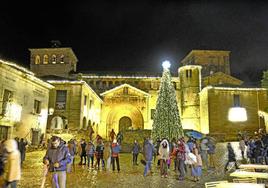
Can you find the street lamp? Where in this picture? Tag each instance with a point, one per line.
(237, 114)
(166, 64)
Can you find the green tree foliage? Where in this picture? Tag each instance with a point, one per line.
(167, 123)
(264, 81)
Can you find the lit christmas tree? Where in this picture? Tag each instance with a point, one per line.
(167, 123)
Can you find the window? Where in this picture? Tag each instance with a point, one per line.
(45, 60)
(62, 59)
(37, 59)
(91, 102)
(236, 100)
(61, 99)
(37, 107)
(54, 59)
(152, 113)
(85, 100)
(7, 98)
(188, 73)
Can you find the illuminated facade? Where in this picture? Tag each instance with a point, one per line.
(76, 106)
(24, 102)
(204, 87)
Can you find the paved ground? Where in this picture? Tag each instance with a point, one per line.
(129, 176)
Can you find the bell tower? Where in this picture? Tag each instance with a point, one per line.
(57, 61)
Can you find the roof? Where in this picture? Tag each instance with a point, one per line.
(122, 86)
(27, 74)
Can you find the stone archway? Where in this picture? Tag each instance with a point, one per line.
(124, 110)
(125, 123)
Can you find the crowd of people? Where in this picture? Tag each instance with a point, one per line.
(185, 155)
(192, 154)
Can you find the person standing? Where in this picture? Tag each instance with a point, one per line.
(115, 155)
(82, 152)
(112, 135)
(135, 152)
(107, 155)
(211, 152)
(231, 157)
(99, 154)
(12, 169)
(242, 147)
(197, 167)
(91, 132)
(163, 156)
(22, 149)
(57, 157)
(90, 150)
(148, 149)
(119, 137)
(72, 151)
(204, 152)
(181, 158)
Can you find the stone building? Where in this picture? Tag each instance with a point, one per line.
(76, 106)
(24, 103)
(204, 87)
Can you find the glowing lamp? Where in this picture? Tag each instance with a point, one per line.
(50, 111)
(237, 114)
(166, 64)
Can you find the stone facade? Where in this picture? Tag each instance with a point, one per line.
(129, 101)
(215, 103)
(24, 102)
(53, 61)
(212, 61)
(76, 104)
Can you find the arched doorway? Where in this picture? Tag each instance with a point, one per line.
(125, 123)
(57, 123)
(126, 114)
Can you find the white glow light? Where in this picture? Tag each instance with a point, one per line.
(237, 114)
(166, 64)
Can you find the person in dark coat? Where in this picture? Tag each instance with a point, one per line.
(148, 150)
(135, 152)
(22, 149)
(57, 157)
(231, 156)
(82, 152)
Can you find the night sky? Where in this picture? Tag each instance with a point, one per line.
(138, 36)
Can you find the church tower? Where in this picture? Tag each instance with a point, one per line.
(190, 84)
(55, 61)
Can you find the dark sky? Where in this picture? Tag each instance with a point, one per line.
(139, 35)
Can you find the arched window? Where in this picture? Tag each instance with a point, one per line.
(37, 59)
(54, 59)
(45, 60)
(62, 59)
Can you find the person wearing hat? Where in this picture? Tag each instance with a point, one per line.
(115, 155)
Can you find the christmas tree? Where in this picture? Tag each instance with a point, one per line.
(167, 123)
